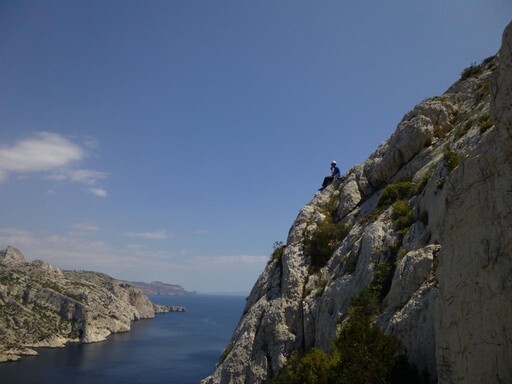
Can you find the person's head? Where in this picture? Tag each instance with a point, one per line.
(333, 163)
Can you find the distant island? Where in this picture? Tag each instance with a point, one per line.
(159, 288)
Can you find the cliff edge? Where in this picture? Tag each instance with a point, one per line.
(431, 207)
(44, 306)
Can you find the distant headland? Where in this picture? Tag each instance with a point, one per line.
(159, 288)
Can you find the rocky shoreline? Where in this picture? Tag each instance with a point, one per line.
(42, 306)
(168, 308)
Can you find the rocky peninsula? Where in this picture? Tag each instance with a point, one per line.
(159, 288)
(44, 306)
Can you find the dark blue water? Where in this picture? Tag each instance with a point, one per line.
(174, 348)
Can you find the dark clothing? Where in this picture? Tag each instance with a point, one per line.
(335, 172)
(327, 180)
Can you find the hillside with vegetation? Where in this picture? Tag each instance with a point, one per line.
(44, 306)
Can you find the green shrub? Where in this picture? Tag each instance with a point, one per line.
(425, 178)
(383, 277)
(315, 367)
(461, 131)
(487, 60)
(369, 299)
(401, 214)
(401, 254)
(485, 122)
(473, 70)
(452, 159)
(327, 236)
(361, 353)
(483, 92)
(277, 253)
(404, 189)
(364, 353)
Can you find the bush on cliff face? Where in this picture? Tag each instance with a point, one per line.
(474, 70)
(485, 122)
(314, 367)
(361, 352)
(402, 214)
(403, 189)
(365, 353)
(452, 159)
(277, 253)
(324, 240)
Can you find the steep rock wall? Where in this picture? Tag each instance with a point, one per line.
(449, 298)
(474, 310)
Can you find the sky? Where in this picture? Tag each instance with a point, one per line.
(176, 141)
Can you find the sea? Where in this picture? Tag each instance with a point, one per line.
(172, 348)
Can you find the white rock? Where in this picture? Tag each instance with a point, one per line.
(450, 300)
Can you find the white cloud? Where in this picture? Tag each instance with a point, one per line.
(43, 152)
(85, 176)
(157, 235)
(52, 154)
(98, 192)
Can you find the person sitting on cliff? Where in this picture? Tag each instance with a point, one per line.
(335, 173)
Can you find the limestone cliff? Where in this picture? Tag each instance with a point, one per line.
(43, 306)
(449, 246)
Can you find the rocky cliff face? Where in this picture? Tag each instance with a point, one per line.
(447, 245)
(43, 306)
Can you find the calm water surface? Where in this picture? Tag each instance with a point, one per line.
(175, 348)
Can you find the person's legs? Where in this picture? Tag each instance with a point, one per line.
(327, 181)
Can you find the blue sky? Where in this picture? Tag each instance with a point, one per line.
(177, 140)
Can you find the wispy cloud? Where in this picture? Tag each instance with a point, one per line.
(157, 235)
(98, 192)
(85, 176)
(52, 155)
